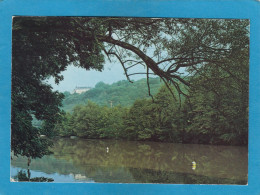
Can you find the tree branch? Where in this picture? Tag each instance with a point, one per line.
(148, 84)
(150, 63)
(182, 65)
(118, 57)
(140, 73)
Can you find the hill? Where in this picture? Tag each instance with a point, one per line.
(121, 93)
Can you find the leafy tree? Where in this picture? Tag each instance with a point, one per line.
(142, 121)
(93, 121)
(87, 120)
(220, 105)
(66, 126)
(170, 116)
(112, 122)
(40, 51)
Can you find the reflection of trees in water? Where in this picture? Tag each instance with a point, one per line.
(49, 164)
(213, 161)
(143, 162)
(22, 176)
(152, 176)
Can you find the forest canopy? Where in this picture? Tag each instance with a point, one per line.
(211, 53)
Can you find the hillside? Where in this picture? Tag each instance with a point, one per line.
(121, 93)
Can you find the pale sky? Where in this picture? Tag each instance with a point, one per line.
(80, 77)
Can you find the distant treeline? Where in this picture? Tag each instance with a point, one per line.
(215, 112)
(121, 93)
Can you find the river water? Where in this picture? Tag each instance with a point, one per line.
(114, 161)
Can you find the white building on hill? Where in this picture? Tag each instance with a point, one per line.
(80, 90)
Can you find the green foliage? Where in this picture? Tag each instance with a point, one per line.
(93, 121)
(219, 103)
(40, 50)
(157, 120)
(121, 93)
(140, 123)
(214, 113)
(65, 127)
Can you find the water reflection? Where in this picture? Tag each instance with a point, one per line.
(143, 162)
(23, 176)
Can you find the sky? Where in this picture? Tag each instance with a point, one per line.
(79, 77)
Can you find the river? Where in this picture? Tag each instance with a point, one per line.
(114, 161)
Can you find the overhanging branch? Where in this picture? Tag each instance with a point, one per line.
(150, 63)
(121, 62)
